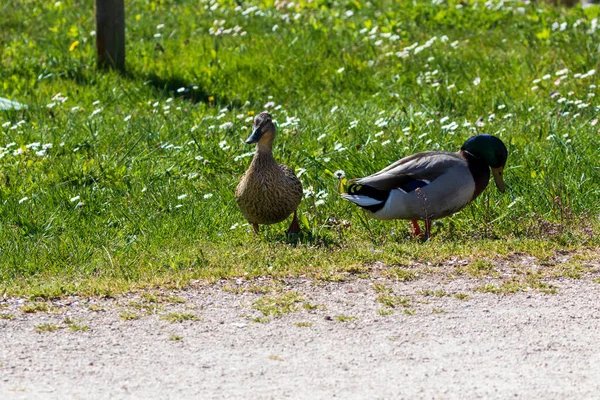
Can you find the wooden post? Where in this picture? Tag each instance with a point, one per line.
(110, 34)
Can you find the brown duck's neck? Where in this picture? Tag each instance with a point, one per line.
(263, 156)
(479, 170)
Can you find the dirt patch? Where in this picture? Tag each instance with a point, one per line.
(380, 337)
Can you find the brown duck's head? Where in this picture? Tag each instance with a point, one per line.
(492, 151)
(263, 130)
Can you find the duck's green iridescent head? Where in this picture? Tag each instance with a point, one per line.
(490, 150)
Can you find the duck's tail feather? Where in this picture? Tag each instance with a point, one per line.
(367, 197)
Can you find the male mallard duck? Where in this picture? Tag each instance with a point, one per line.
(432, 184)
(268, 192)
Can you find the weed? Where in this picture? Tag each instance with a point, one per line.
(313, 307)
(179, 317)
(401, 274)
(434, 293)
(129, 316)
(393, 301)
(47, 327)
(303, 324)
(38, 307)
(278, 305)
(346, 318)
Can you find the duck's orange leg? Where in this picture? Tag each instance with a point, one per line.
(416, 228)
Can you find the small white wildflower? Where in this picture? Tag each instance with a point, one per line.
(160, 26)
(501, 106)
(234, 226)
(334, 109)
(182, 196)
(339, 174)
(127, 118)
(226, 125)
(74, 199)
(477, 81)
(300, 171)
(339, 71)
(24, 199)
(208, 195)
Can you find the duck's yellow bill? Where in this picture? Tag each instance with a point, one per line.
(499, 178)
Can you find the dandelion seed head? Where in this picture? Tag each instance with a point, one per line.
(339, 174)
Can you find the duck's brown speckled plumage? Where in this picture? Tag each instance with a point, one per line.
(268, 192)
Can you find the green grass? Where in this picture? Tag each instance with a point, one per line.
(47, 327)
(75, 326)
(129, 316)
(137, 188)
(278, 305)
(38, 307)
(303, 324)
(346, 318)
(179, 317)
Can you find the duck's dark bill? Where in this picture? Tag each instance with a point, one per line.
(255, 136)
(499, 178)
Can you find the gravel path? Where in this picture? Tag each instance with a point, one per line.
(336, 344)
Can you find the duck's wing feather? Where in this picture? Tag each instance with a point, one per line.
(413, 171)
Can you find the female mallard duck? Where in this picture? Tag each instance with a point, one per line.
(268, 192)
(433, 184)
